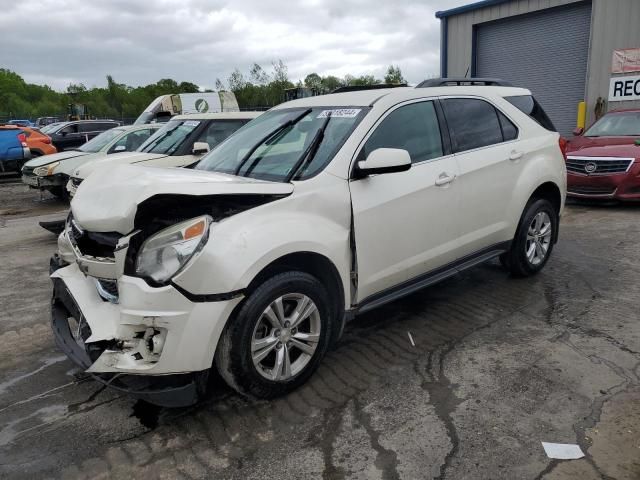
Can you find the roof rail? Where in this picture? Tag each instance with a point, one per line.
(460, 81)
(355, 88)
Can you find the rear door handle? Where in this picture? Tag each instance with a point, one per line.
(514, 155)
(444, 179)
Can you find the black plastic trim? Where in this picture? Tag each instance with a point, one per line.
(429, 278)
(208, 297)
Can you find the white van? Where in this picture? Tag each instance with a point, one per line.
(166, 106)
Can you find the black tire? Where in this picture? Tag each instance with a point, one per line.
(516, 260)
(60, 192)
(233, 357)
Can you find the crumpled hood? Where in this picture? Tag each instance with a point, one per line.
(115, 159)
(54, 157)
(623, 151)
(107, 201)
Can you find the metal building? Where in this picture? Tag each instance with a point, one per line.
(564, 51)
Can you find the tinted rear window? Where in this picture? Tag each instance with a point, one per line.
(529, 105)
(472, 123)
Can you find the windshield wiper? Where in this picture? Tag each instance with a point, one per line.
(310, 152)
(268, 136)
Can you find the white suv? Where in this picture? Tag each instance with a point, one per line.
(320, 209)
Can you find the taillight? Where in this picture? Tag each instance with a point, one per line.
(46, 139)
(562, 142)
(22, 138)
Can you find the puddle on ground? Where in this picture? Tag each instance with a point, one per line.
(147, 413)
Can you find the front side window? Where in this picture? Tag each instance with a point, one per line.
(101, 141)
(170, 137)
(623, 124)
(129, 142)
(218, 130)
(473, 123)
(284, 145)
(413, 128)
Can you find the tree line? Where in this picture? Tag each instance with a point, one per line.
(257, 88)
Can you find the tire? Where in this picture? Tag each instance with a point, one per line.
(539, 214)
(60, 192)
(258, 328)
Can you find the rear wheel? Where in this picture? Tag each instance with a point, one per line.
(534, 239)
(278, 337)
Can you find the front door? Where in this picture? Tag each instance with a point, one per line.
(405, 223)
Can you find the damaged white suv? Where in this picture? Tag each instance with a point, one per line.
(318, 210)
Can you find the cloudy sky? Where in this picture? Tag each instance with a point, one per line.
(57, 42)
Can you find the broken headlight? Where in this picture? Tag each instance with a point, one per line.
(165, 253)
(45, 170)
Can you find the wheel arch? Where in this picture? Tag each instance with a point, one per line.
(551, 192)
(314, 264)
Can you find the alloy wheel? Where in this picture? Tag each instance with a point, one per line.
(285, 337)
(538, 238)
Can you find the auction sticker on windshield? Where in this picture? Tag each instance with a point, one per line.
(340, 113)
(191, 123)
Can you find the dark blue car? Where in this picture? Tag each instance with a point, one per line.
(13, 148)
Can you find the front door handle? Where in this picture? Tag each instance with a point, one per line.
(514, 155)
(444, 179)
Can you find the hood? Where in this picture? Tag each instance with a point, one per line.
(115, 159)
(623, 151)
(580, 142)
(108, 200)
(70, 165)
(54, 157)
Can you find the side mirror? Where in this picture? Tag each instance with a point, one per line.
(385, 160)
(200, 148)
(578, 131)
(63, 133)
(120, 148)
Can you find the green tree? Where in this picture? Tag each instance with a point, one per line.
(394, 75)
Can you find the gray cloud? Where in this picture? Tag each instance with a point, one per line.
(58, 42)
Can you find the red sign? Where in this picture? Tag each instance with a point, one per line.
(625, 61)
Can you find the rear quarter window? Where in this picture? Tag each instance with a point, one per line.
(530, 106)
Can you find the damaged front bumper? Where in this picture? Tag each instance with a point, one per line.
(152, 343)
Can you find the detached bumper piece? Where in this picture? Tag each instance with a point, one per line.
(70, 330)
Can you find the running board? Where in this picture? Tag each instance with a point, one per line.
(430, 278)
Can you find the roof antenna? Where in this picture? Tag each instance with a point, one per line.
(466, 75)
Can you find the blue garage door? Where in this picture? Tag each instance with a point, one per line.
(545, 52)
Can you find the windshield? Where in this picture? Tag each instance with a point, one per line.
(626, 124)
(275, 155)
(98, 143)
(170, 137)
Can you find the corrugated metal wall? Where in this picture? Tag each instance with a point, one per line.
(460, 28)
(616, 25)
(543, 52)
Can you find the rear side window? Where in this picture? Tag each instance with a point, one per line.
(530, 106)
(413, 128)
(473, 123)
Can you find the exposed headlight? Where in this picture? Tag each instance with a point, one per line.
(164, 254)
(45, 170)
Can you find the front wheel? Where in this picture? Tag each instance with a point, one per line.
(534, 239)
(278, 337)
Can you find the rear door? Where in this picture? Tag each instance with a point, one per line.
(405, 223)
(67, 137)
(490, 159)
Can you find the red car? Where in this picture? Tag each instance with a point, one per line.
(604, 161)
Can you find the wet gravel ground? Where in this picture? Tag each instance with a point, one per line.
(497, 365)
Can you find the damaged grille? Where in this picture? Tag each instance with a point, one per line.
(99, 245)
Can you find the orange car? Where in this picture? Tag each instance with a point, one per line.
(38, 142)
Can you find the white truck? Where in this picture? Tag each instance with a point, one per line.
(166, 106)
